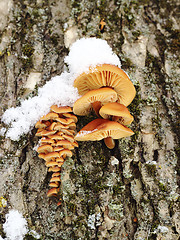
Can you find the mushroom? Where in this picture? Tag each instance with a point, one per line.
(45, 133)
(70, 115)
(94, 99)
(107, 75)
(57, 130)
(61, 109)
(47, 141)
(49, 116)
(118, 112)
(100, 129)
(41, 124)
(45, 148)
(52, 192)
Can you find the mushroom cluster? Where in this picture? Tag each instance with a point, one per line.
(108, 91)
(57, 130)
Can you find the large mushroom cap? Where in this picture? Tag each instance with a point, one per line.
(110, 76)
(121, 113)
(84, 104)
(102, 128)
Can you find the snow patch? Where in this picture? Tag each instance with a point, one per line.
(83, 133)
(15, 226)
(89, 52)
(59, 90)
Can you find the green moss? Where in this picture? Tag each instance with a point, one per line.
(102, 8)
(117, 189)
(35, 13)
(71, 207)
(27, 51)
(162, 187)
(29, 237)
(174, 39)
(128, 16)
(55, 39)
(151, 168)
(136, 34)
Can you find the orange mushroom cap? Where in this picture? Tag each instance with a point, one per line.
(110, 76)
(52, 192)
(121, 113)
(40, 124)
(84, 104)
(70, 115)
(54, 169)
(55, 179)
(46, 141)
(57, 109)
(51, 155)
(45, 148)
(45, 133)
(56, 174)
(102, 128)
(54, 184)
(50, 116)
(66, 152)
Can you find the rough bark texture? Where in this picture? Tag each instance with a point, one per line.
(130, 192)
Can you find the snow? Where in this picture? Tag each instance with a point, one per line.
(59, 90)
(15, 226)
(89, 52)
(84, 53)
(83, 133)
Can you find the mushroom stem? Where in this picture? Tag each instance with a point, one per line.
(110, 143)
(96, 107)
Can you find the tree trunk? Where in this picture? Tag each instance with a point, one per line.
(130, 192)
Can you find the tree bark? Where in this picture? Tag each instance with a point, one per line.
(130, 192)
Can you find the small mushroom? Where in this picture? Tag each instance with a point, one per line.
(45, 133)
(45, 148)
(100, 129)
(41, 124)
(70, 115)
(51, 155)
(49, 116)
(55, 179)
(94, 99)
(66, 153)
(118, 112)
(56, 174)
(54, 169)
(53, 184)
(47, 141)
(52, 192)
(61, 109)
